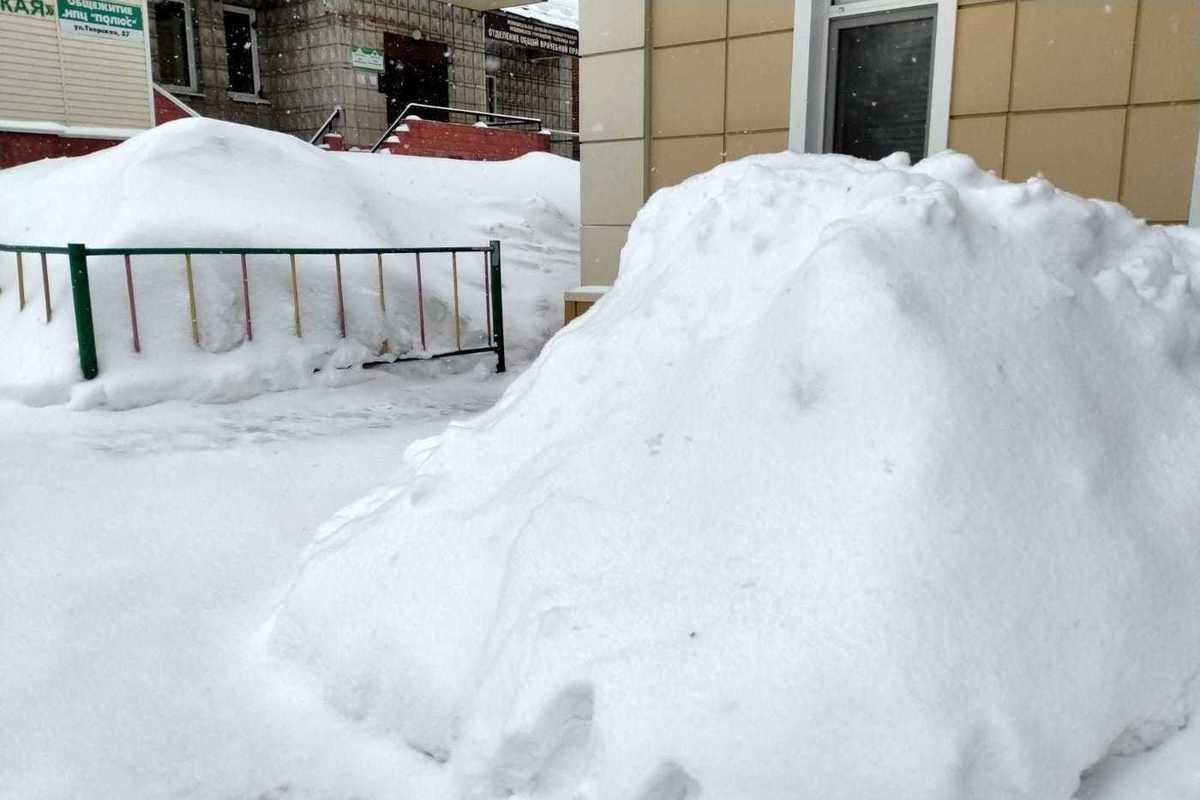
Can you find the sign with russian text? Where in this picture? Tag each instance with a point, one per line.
(525, 32)
(366, 58)
(31, 8)
(107, 20)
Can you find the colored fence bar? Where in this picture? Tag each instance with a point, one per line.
(421, 303)
(384, 348)
(341, 300)
(246, 300)
(46, 288)
(20, 282)
(295, 295)
(78, 255)
(133, 320)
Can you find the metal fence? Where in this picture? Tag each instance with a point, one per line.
(78, 256)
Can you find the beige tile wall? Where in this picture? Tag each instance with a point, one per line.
(1101, 96)
(720, 85)
(712, 87)
(613, 124)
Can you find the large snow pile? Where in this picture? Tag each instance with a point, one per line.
(865, 482)
(205, 183)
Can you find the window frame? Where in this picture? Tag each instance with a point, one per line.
(190, 45)
(808, 129)
(847, 22)
(252, 15)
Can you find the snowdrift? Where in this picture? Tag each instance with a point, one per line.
(200, 182)
(866, 481)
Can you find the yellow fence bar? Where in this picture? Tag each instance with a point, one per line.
(295, 293)
(191, 283)
(382, 303)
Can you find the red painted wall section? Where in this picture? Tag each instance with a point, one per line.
(21, 148)
(446, 140)
(167, 109)
(415, 138)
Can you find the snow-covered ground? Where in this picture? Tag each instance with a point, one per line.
(141, 553)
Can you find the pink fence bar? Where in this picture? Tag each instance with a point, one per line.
(421, 302)
(133, 322)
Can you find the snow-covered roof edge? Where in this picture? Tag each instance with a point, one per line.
(564, 13)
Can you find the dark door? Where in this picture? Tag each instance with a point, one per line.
(880, 71)
(415, 71)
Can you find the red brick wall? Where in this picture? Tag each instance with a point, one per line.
(446, 140)
(21, 148)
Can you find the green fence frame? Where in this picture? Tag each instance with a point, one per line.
(78, 254)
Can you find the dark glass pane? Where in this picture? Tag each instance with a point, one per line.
(239, 51)
(416, 71)
(170, 29)
(881, 99)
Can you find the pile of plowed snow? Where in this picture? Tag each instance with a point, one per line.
(203, 183)
(865, 482)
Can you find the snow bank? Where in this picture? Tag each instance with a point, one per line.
(865, 482)
(200, 182)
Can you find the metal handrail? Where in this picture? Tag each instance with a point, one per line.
(274, 251)
(509, 119)
(333, 117)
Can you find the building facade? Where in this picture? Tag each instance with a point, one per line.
(287, 64)
(78, 75)
(1101, 96)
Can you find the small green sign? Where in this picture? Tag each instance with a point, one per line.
(32, 8)
(366, 58)
(101, 18)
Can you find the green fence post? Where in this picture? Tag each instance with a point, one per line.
(81, 293)
(497, 306)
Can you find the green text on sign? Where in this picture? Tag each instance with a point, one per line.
(108, 20)
(33, 8)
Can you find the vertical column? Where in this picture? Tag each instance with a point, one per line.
(614, 108)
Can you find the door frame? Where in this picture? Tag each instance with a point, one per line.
(810, 67)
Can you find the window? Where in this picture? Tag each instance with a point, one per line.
(872, 77)
(241, 51)
(490, 81)
(176, 60)
(880, 68)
